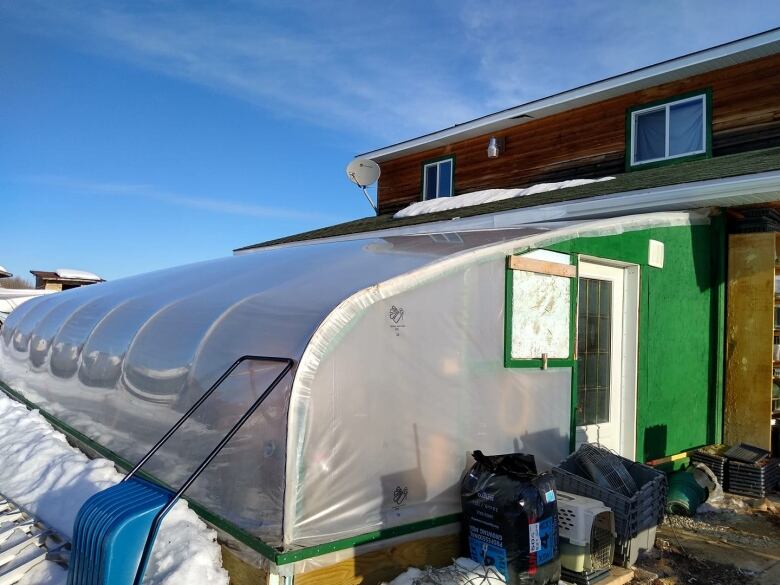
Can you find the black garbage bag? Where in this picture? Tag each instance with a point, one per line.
(510, 518)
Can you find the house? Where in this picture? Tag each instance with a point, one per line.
(567, 270)
(63, 279)
(701, 131)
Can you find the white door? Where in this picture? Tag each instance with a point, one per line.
(606, 356)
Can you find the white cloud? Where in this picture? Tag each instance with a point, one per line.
(531, 49)
(147, 191)
(346, 66)
(391, 70)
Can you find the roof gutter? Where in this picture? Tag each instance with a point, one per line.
(729, 192)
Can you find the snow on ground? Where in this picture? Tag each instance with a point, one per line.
(462, 572)
(42, 473)
(487, 196)
(45, 573)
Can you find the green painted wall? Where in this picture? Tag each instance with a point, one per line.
(679, 386)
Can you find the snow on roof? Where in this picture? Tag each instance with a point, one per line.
(72, 274)
(50, 479)
(488, 196)
(4, 272)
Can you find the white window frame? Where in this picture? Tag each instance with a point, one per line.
(666, 106)
(438, 164)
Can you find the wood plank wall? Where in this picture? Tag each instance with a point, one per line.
(381, 566)
(589, 142)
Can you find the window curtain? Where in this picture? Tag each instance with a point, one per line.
(686, 122)
(430, 182)
(650, 136)
(445, 179)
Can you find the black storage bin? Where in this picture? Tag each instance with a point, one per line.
(643, 510)
(715, 460)
(753, 479)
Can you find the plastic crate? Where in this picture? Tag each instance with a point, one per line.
(714, 459)
(627, 551)
(643, 510)
(584, 578)
(755, 480)
(745, 453)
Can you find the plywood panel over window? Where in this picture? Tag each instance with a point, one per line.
(541, 308)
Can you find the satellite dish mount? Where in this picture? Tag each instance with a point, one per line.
(364, 172)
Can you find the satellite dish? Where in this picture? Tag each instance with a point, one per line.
(363, 172)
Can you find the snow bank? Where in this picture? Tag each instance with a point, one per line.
(488, 196)
(46, 573)
(41, 472)
(462, 572)
(73, 274)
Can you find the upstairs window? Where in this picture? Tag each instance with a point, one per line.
(672, 129)
(437, 178)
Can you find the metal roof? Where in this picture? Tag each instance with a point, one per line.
(739, 51)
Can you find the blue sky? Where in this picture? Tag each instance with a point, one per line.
(139, 135)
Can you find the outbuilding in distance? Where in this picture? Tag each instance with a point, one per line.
(63, 279)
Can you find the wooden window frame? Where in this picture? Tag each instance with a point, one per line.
(705, 95)
(438, 161)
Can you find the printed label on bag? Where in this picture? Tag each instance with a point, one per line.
(549, 496)
(489, 555)
(534, 542)
(540, 540)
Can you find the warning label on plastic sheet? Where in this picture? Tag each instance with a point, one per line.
(540, 540)
(488, 554)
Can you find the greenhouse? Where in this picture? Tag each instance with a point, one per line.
(405, 362)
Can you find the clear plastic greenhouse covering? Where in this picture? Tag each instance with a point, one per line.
(398, 344)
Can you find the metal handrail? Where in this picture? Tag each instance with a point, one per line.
(288, 365)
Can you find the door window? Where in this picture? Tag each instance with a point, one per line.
(594, 351)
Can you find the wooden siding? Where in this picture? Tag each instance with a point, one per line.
(589, 142)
